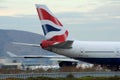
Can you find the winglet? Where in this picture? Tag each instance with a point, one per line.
(11, 54)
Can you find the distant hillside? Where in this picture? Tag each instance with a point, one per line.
(9, 36)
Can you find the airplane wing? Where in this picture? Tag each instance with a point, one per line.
(54, 58)
(32, 56)
(65, 59)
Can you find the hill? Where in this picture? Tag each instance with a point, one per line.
(9, 36)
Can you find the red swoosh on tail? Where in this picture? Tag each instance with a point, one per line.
(44, 15)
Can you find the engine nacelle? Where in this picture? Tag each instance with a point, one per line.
(67, 63)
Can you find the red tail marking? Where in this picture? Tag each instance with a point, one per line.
(58, 38)
(44, 15)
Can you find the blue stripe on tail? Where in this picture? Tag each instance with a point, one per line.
(48, 28)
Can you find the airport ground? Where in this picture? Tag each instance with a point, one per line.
(63, 69)
(87, 74)
(69, 77)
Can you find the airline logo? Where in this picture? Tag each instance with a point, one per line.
(52, 28)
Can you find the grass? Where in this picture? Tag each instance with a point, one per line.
(69, 77)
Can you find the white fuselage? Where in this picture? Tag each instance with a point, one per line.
(91, 49)
(86, 49)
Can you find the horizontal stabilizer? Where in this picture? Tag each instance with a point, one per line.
(26, 44)
(64, 45)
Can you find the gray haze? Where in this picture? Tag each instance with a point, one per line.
(9, 36)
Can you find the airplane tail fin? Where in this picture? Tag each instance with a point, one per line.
(52, 27)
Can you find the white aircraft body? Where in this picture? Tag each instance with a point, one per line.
(95, 52)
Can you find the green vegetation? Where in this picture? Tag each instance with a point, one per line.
(69, 77)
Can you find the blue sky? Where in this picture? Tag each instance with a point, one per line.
(85, 19)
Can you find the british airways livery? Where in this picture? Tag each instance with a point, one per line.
(106, 54)
(52, 28)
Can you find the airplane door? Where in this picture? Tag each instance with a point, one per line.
(82, 51)
(117, 52)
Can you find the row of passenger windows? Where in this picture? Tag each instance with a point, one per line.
(99, 51)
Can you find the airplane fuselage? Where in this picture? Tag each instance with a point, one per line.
(93, 52)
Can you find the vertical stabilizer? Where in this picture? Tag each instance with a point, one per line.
(52, 27)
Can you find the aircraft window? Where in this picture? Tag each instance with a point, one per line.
(82, 52)
(117, 52)
(99, 51)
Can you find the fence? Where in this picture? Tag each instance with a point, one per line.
(59, 74)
